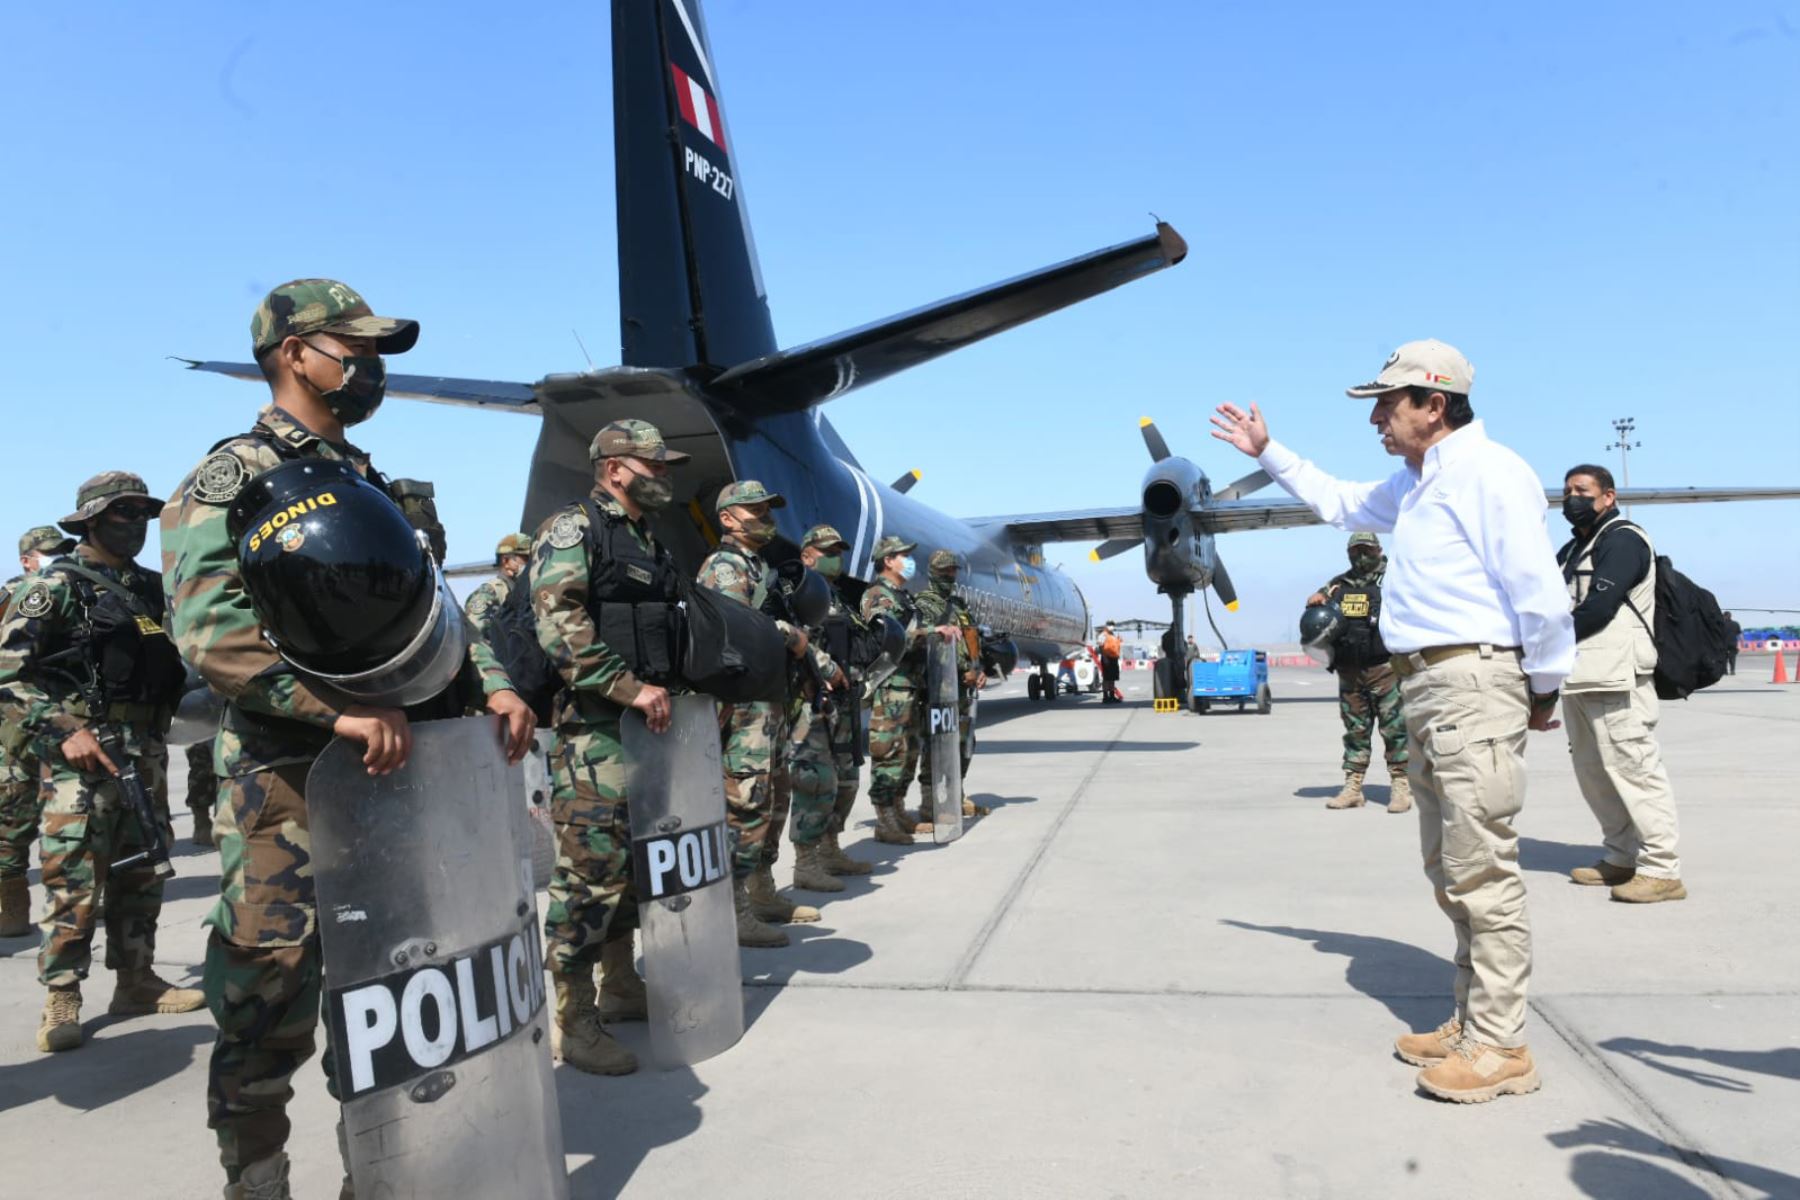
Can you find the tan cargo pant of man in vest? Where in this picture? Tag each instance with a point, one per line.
(1465, 731)
(1612, 739)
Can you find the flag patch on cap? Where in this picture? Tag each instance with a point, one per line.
(1431, 378)
(698, 108)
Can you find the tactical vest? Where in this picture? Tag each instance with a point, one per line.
(1359, 643)
(122, 638)
(912, 663)
(1613, 659)
(415, 498)
(632, 597)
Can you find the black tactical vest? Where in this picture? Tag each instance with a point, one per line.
(123, 638)
(1359, 642)
(632, 597)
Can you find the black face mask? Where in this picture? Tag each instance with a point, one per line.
(1578, 510)
(123, 539)
(365, 384)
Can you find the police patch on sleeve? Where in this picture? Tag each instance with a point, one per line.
(36, 601)
(565, 531)
(220, 478)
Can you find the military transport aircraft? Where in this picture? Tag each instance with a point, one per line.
(702, 363)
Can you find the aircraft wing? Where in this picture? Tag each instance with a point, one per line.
(442, 389)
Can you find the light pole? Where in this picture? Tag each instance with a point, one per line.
(1625, 427)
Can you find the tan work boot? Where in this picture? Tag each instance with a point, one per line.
(771, 905)
(811, 872)
(839, 863)
(1602, 874)
(60, 1028)
(890, 827)
(1645, 889)
(1351, 796)
(1429, 1049)
(622, 995)
(922, 821)
(752, 930)
(203, 831)
(15, 907)
(578, 1039)
(1399, 794)
(1476, 1073)
(972, 809)
(139, 992)
(264, 1179)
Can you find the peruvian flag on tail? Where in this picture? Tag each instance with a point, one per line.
(698, 108)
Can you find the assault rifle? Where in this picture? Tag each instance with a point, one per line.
(131, 784)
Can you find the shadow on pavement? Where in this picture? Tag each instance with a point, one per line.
(1784, 1062)
(106, 1069)
(1608, 1177)
(1070, 746)
(813, 950)
(616, 1121)
(1413, 984)
(1555, 858)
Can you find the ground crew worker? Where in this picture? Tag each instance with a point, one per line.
(318, 346)
(83, 646)
(751, 732)
(1609, 700)
(20, 795)
(939, 604)
(1477, 617)
(593, 564)
(511, 556)
(202, 789)
(1734, 633)
(1109, 666)
(823, 550)
(896, 716)
(1368, 692)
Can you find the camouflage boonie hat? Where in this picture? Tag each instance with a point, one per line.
(305, 306)
(1363, 539)
(824, 537)
(513, 543)
(893, 545)
(633, 439)
(944, 562)
(45, 539)
(747, 491)
(100, 492)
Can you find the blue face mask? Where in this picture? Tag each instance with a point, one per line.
(908, 568)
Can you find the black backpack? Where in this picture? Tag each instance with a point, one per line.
(1692, 639)
(732, 652)
(512, 635)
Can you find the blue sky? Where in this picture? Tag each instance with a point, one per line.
(1597, 203)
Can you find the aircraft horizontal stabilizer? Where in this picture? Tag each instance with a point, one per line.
(470, 393)
(794, 380)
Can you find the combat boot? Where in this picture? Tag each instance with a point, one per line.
(752, 931)
(1352, 794)
(579, 1040)
(1399, 794)
(889, 826)
(1477, 1072)
(810, 870)
(1644, 889)
(203, 831)
(1429, 1049)
(264, 1179)
(972, 809)
(839, 863)
(622, 995)
(60, 1028)
(140, 992)
(770, 905)
(15, 907)
(1602, 874)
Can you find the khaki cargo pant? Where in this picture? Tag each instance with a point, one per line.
(1465, 733)
(1612, 738)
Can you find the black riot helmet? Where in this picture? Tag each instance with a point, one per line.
(890, 636)
(808, 594)
(345, 588)
(1320, 625)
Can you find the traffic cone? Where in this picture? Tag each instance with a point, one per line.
(1781, 675)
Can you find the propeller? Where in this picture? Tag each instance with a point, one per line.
(1153, 439)
(904, 484)
(1221, 583)
(1256, 481)
(1112, 546)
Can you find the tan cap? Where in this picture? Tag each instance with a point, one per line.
(1429, 363)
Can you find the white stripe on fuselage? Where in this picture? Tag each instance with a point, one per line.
(693, 35)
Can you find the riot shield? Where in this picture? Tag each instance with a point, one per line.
(944, 730)
(434, 974)
(681, 874)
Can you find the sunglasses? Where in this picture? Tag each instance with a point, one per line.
(128, 512)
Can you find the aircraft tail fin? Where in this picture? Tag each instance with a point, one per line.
(690, 288)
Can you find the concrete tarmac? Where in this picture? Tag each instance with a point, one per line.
(1160, 968)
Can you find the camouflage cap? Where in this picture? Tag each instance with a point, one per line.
(45, 539)
(944, 562)
(304, 306)
(893, 545)
(1363, 539)
(633, 439)
(824, 537)
(101, 492)
(513, 543)
(747, 491)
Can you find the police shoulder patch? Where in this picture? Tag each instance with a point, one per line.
(36, 600)
(220, 478)
(565, 531)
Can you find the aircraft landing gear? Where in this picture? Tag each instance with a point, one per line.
(1049, 686)
(1034, 687)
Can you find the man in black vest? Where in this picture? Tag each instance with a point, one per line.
(1368, 692)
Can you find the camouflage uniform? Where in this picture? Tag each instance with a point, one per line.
(484, 600)
(262, 975)
(1368, 691)
(934, 610)
(897, 709)
(202, 783)
(21, 801)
